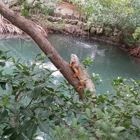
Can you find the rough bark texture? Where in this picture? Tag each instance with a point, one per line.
(28, 27)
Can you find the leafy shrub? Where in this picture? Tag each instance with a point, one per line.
(27, 5)
(120, 14)
(25, 13)
(136, 35)
(87, 62)
(30, 103)
(47, 10)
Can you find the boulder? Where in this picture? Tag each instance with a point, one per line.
(93, 30)
(99, 30)
(115, 32)
(108, 31)
(52, 19)
(73, 22)
(80, 24)
(86, 27)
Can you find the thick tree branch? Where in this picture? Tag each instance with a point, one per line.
(29, 27)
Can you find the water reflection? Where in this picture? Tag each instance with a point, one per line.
(109, 61)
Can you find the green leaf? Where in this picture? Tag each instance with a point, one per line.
(14, 111)
(99, 112)
(20, 136)
(81, 130)
(114, 136)
(13, 136)
(137, 107)
(118, 129)
(74, 122)
(9, 131)
(3, 85)
(75, 98)
(36, 92)
(19, 67)
(9, 87)
(3, 114)
(136, 121)
(26, 73)
(105, 126)
(49, 100)
(26, 112)
(4, 57)
(88, 112)
(1, 74)
(59, 101)
(1, 52)
(66, 131)
(13, 60)
(43, 113)
(58, 129)
(99, 133)
(25, 68)
(5, 101)
(50, 88)
(25, 126)
(31, 130)
(92, 138)
(29, 84)
(2, 64)
(43, 126)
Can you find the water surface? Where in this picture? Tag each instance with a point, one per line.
(110, 62)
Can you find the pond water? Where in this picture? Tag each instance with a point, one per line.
(109, 61)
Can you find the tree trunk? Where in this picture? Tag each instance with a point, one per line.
(28, 27)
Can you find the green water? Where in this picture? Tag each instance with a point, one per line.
(110, 62)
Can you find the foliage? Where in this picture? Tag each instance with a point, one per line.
(136, 35)
(120, 14)
(38, 7)
(87, 62)
(46, 10)
(30, 103)
(25, 13)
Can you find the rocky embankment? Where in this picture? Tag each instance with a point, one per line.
(82, 29)
(79, 28)
(66, 19)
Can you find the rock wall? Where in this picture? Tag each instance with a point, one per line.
(75, 23)
(74, 26)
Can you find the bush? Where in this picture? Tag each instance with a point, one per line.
(120, 14)
(25, 13)
(31, 103)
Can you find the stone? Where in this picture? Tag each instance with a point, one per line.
(115, 32)
(86, 27)
(93, 30)
(80, 24)
(108, 31)
(73, 22)
(52, 19)
(99, 30)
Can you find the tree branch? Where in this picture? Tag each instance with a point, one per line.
(30, 28)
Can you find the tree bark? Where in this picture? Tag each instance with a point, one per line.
(28, 27)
